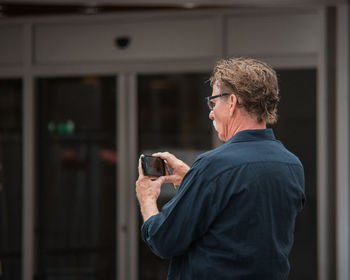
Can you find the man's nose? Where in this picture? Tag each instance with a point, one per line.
(211, 115)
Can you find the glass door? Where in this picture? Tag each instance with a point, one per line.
(296, 128)
(173, 117)
(10, 178)
(76, 178)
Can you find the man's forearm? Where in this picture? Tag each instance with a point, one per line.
(148, 209)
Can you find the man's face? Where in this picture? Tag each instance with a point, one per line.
(220, 114)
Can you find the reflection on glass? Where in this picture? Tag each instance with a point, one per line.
(173, 113)
(76, 197)
(173, 116)
(296, 128)
(10, 178)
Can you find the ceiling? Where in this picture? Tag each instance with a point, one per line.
(18, 8)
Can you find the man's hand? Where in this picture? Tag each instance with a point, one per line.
(147, 192)
(179, 168)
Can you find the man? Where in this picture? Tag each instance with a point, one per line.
(234, 214)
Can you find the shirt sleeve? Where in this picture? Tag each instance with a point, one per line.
(184, 218)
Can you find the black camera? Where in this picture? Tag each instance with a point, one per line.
(122, 42)
(153, 166)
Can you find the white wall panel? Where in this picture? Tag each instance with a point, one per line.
(11, 43)
(148, 40)
(278, 34)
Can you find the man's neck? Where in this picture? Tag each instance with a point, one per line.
(246, 123)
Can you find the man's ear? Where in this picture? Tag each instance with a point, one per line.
(233, 104)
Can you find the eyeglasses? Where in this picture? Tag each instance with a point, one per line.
(209, 99)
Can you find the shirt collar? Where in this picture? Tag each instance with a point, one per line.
(253, 135)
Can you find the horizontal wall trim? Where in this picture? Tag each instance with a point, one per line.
(291, 61)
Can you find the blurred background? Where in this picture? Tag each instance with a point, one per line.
(86, 86)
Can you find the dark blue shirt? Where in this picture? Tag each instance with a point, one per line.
(234, 214)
